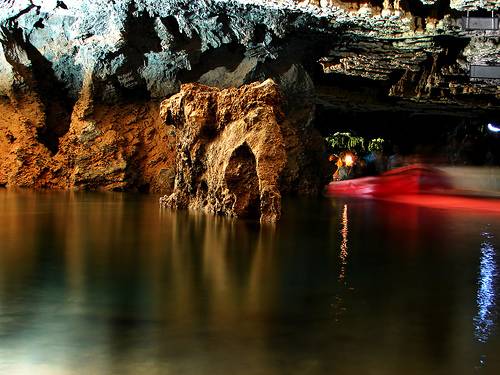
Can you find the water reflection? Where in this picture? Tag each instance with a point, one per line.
(109, 276)
(110, 284)
(343, 245)
(485, 320)
(486, 298)
(340, 305)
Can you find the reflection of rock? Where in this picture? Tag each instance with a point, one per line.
(231, 151)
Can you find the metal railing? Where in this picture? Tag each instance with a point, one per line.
(480, 23)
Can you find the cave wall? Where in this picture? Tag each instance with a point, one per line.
(81, 81)
(119, 148)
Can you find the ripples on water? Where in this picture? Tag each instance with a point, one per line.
(110, 284)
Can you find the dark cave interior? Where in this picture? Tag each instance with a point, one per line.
(440, 138)
(446, 134)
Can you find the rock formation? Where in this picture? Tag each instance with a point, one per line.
(230, 149)
(146, 48)
(106, 148)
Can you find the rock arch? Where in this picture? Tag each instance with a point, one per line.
(243, 183)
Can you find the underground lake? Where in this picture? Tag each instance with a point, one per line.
(109, 283)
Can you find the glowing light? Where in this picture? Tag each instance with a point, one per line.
(484, 321)
(493, 128)
(343, 245)
(349, 160)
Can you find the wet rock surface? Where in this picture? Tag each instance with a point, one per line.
(230, 150)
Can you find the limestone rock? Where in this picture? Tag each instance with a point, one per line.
(122, 148)
(80, 83)
(148, 48)
(231, 150)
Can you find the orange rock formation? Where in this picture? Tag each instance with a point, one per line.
(231, 151)
(122, 147)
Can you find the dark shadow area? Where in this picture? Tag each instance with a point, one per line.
(140, 37)
(225, 22)
(259, 33)
(227, 55)
(452, 46)
(242, 181)
(144, 188)
(418, 9)
(41, 79)
(444, 138)
(180, 40)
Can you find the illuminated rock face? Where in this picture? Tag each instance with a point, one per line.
(238, 149)
(231, 150)
(120, 148)
(81, 81)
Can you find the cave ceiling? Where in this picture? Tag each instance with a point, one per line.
(358, 56)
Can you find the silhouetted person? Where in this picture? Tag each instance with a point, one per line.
(395, 160)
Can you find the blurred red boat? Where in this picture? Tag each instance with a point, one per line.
(416, 185)
(413, 179)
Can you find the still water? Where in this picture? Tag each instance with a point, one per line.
(111, 284)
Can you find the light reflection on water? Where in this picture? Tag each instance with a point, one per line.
(343, 245)
(110, 284)
(340, 305)
(486, 298)
(485, 320)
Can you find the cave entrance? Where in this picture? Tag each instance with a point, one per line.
(242, 181)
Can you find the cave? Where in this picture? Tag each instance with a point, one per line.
(249, 187)
(91, 91)
(436, 138)
(242, 181)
